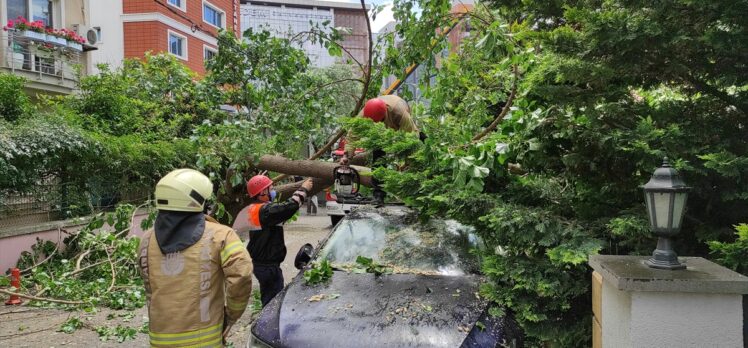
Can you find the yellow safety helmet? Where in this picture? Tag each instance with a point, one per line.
(183, 190)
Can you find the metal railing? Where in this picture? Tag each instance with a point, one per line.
(54, 200)
(34, 58)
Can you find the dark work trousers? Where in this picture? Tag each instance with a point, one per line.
(271, 281)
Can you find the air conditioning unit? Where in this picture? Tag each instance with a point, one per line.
(91, 34)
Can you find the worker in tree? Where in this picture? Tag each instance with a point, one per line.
(197, 275)
(266, 244)
(395, 113)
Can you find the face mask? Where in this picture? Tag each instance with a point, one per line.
(272, 195)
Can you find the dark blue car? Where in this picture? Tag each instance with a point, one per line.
(427, 298)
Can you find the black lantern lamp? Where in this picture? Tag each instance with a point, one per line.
(665, 195)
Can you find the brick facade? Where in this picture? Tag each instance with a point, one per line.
(149, 22)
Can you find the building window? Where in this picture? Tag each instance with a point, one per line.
(33, 10)
(180, 4)
(213, 15)
(178, 45)
(209, 53)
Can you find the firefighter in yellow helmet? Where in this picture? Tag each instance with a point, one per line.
(197, 273)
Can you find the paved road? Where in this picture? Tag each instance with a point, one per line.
(34, 327)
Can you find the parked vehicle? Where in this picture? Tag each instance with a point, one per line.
(427, 298)
(337, 207)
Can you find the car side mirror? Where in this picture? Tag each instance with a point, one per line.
(303, 256)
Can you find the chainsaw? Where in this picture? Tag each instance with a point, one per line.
(348, 185)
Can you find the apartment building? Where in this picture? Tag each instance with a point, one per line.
(185, 28)
(285, 18)
(48, 62)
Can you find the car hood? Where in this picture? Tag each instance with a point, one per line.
(363, 310)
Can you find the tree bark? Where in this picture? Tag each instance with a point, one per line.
(322, 172)
(236, 198)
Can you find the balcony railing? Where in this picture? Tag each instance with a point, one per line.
(40, 61)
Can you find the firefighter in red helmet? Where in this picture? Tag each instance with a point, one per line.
(395, 113)
(266, 244)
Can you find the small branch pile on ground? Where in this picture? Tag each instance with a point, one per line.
(97, 266)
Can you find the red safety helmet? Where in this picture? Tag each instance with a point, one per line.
(257, 184)
(375, 109)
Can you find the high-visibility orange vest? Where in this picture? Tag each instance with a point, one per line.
(253, 216)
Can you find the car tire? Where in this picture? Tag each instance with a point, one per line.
(334, 219)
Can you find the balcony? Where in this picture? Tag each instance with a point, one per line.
(50, 67)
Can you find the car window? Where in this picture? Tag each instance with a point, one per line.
(395, 238)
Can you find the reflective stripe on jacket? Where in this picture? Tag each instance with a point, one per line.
(187, 300)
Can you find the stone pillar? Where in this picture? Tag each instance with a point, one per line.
(637, 306)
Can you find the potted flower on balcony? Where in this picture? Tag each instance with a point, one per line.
(33, 30)
(75, 41)
(56, 37)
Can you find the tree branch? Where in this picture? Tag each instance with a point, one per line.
(114, 273)
(3, 291)
(57, 246)
(78, 263)
(295, 37)
(359, 103)
(711, 90)
(504, 110)
(319, 88)
(87, 267)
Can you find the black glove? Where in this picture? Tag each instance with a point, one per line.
(422, 136)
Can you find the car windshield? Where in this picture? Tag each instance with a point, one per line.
(394, 237)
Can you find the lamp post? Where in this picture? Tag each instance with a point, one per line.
(665, 195)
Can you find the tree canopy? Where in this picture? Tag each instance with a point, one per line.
(542, 126)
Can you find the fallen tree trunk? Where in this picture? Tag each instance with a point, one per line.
(321, 172)
(307, 168)
(235, 199)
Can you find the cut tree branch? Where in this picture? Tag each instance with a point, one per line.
(87, 267)
(57, 246)
(78, 263)
(114, 273)
(3, 291)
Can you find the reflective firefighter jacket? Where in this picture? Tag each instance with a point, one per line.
(397, 118)
(186, 297)
(266, 242)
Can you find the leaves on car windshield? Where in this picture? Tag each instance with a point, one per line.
(318, 273)
(367, 265)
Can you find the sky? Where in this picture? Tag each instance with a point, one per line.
(383, 17)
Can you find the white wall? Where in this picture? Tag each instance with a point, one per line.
(666, 319)
(285, 21)
(616, 316)
(644, 319)
(106, 14)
